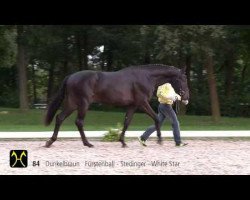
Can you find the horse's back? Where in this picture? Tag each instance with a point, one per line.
(82, 76)
(115, 88)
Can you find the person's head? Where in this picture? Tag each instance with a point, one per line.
(180, 85)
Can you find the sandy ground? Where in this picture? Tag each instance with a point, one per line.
(200, 157)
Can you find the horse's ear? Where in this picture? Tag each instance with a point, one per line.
(183, 69)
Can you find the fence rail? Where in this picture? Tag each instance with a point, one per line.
(97, 134)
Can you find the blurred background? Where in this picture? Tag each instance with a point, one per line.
(34, 59)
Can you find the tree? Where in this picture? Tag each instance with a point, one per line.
(22, 64)
(214, 99)
(7, 46)
(179, 45)
(217, 60)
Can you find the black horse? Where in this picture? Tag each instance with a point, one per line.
(131, 87)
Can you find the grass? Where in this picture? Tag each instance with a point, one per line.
(32, 120)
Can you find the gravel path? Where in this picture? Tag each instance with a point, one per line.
(200, 157)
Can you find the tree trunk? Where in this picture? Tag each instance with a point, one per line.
(65, 67)
(243, 72)
(103, 61)
(183, 108)
(147, 59)
(50, 82)
(215, 107)
(188, 69)
(65, 70)
(229, 71)
(22, 70)
(109, 60)
(85, 51)
(34, 85)
(79, 51)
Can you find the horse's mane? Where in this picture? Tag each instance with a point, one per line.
(150, 67)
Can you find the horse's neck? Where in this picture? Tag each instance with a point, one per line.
(159, 78)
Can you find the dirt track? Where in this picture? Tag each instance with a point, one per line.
(199, 157)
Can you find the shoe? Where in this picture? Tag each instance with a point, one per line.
(143, 142)
(181, 144)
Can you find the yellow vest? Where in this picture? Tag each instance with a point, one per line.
(166, 94)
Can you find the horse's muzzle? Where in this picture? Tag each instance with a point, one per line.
(184, 102)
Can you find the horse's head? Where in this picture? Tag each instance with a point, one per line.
(180, 85)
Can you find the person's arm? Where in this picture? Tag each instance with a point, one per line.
(177, 97)
(168, 94)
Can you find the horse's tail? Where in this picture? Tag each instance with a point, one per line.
(56, 103)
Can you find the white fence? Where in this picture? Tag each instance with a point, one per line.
(75, 134)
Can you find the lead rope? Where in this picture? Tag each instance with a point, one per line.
(177, 106)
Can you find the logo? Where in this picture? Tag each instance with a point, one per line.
(18, 158)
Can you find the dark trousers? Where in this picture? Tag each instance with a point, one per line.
(165, 111)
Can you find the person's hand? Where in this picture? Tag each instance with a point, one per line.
(185, 102)
(177, 97)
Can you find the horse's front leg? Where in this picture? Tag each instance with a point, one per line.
(129, 114)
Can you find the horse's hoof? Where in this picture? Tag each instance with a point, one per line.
(89, 145)
(124, 146)
(48, 143)
(159, 142)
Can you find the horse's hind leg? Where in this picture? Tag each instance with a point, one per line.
(80, 121)
(59, 120)
(127, 121)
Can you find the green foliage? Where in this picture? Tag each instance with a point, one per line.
(8, 91)
(113, 134)
(7, 46)
(175, 42)
(56, 51)
(9, 98)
